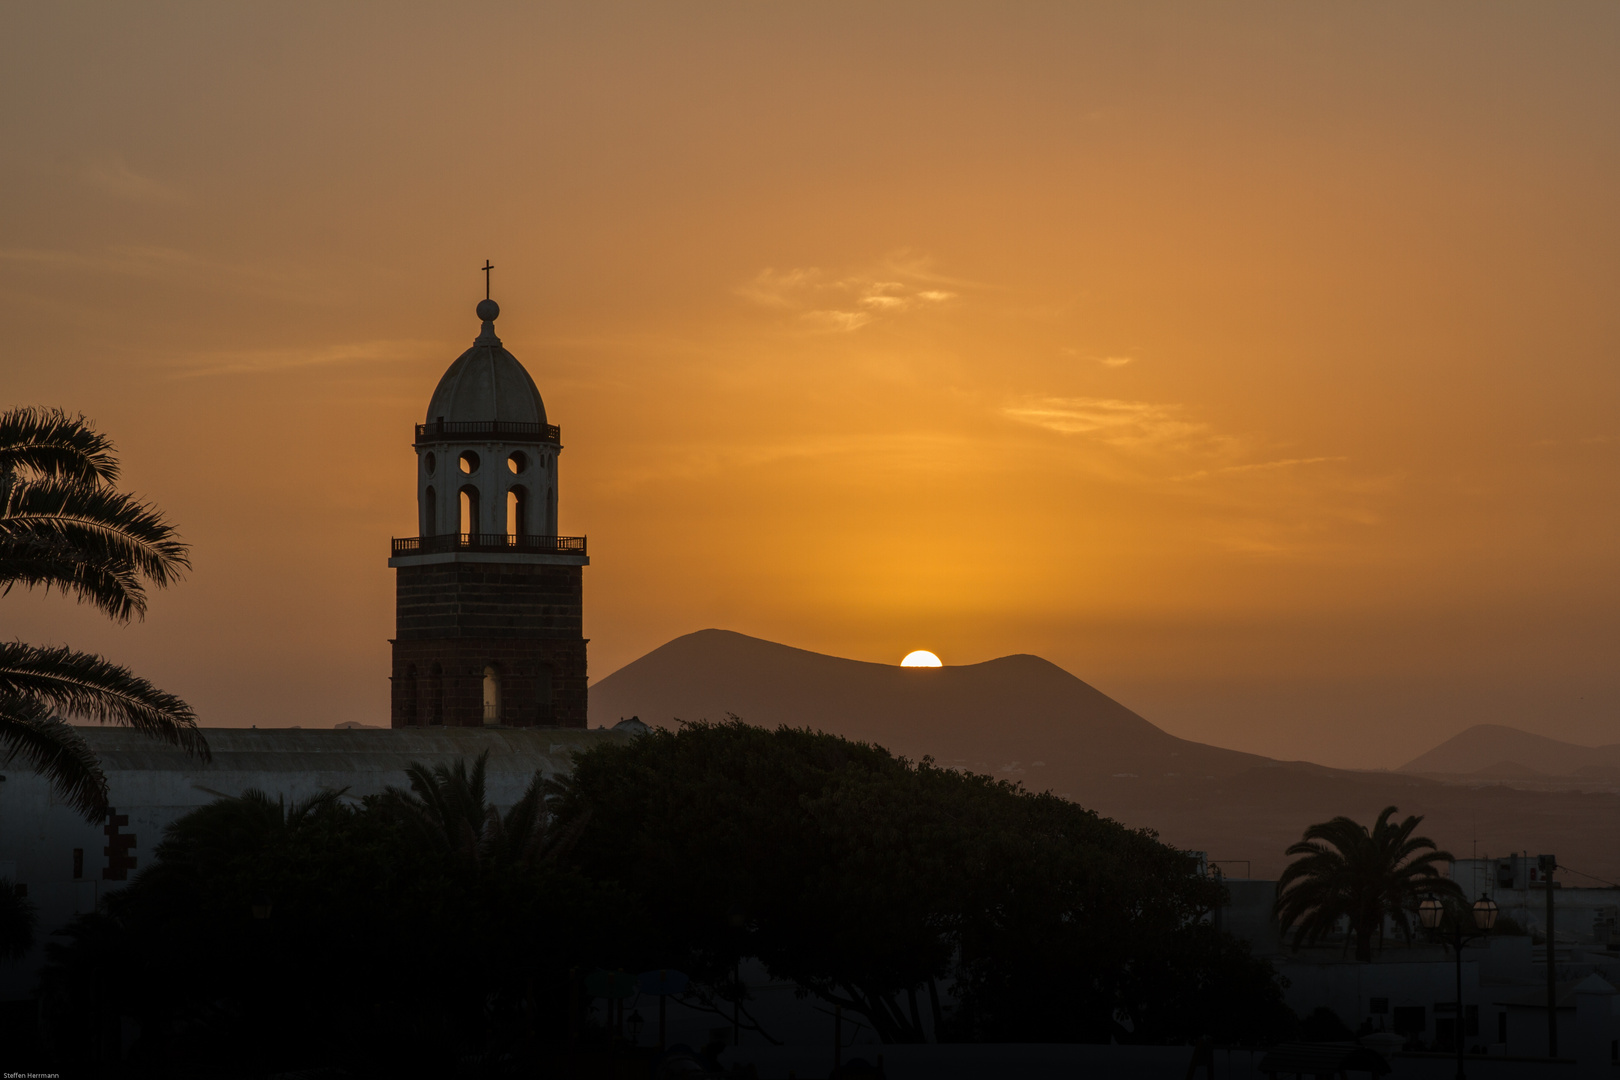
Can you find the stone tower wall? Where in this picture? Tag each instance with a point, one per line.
(456, 618)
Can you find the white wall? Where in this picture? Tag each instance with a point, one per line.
(154, 784)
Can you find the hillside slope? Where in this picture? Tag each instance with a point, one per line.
(1492, 749)
(1022, 718)
(1001, 716)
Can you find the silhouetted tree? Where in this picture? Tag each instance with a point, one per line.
(446, 812)
(271, 934)
(1350, 873)
(63, 526)
(871, 883)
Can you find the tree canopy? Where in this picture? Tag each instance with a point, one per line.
(426, 929)
(875, 883)
(268, 934)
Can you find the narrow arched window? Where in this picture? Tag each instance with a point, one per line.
(551, 511)
(492, 695)
(430, 512)
(517, 512)
(469, 513)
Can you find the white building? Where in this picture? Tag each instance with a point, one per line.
(1583, 915)
(66, 864)
(1412, 990)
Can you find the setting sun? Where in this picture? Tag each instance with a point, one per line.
(921, 658)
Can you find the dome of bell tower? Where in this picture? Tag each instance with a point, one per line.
(486, 384)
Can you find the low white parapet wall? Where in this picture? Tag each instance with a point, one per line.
(67, 863)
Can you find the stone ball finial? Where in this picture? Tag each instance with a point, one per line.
(488, 310)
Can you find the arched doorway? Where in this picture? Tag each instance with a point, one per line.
(492, 695)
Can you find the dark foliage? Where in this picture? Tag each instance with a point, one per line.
(422, 932)
(381, 953)
(1347, 872)
(871, 883)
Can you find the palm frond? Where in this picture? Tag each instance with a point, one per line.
(525, 823)
(1346, 871)
(81, 684)
(307, 811)
(93, 525)
(50, 746)
(50, 443)
(45, 563)
(447, 811)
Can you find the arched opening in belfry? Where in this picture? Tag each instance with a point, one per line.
(430, 512)
(469, 511)
(551, 511)
(492, 695)
(411, 716)
(517, 512)
(436, 695)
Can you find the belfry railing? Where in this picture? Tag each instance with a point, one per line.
(489, 542)
(463, 430)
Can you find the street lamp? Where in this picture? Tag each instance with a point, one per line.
(1433, 915)
(635, 1023)
(1430, 912)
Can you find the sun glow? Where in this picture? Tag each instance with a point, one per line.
(921, 658)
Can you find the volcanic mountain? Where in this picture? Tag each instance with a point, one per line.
(1017, 716)
(1023, 718)
(1494, 750)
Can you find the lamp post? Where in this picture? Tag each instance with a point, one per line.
(635, 1023)
(1433, 914)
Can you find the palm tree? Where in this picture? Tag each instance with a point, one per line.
(446, 811)
(209, 837)
(1362, 876)
(63, 526)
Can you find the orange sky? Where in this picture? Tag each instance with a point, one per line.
(1255, 362)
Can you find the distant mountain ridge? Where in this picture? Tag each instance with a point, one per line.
(1494, 750)
(1023, 718)
(1000, 717)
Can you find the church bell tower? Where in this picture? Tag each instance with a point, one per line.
(489, 600)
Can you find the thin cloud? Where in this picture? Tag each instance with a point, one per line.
(254, 361)
(180, 268)
(850, 301)
(907, 453)
(779, 289)
(1259, 467)
(1115, 422)
(1105, 361)
(122, 261)
(841, 321)
(920, 268)
(113, 176)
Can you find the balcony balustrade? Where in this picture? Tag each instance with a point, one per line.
(492, 430)
(489, 542)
